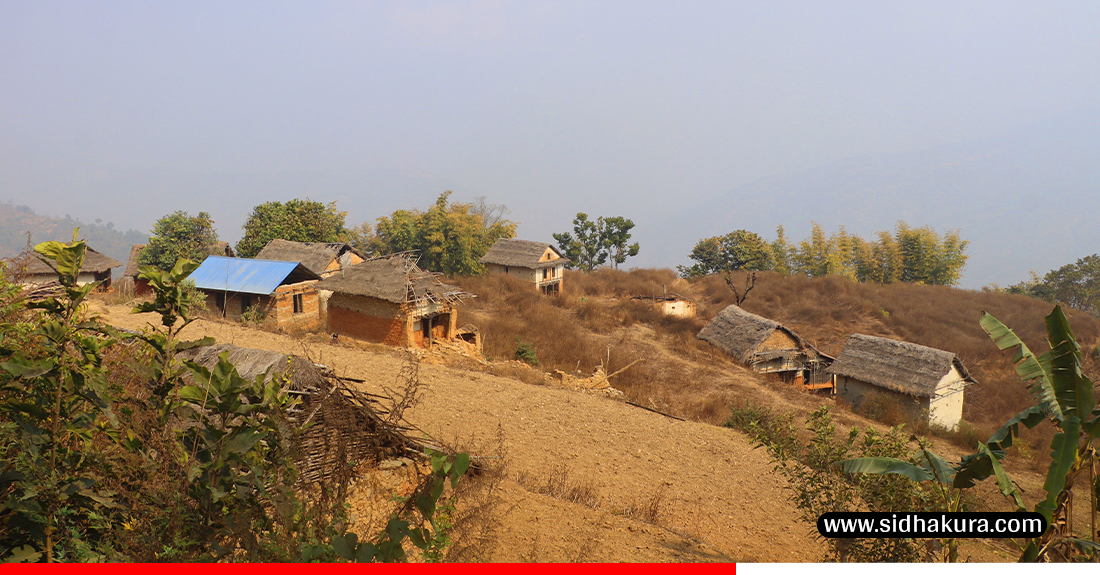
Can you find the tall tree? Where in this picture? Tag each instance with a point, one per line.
(614, 235)
(583, 247)
(180, 235)
(451, 237)
(594, 243)
(1076, 285)
(296, 220)
(737, 250)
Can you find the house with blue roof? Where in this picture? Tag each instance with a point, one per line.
(282, 292)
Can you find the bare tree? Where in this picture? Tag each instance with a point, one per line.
(739, 296)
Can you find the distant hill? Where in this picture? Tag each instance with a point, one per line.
(17, 221)
(1025, 199)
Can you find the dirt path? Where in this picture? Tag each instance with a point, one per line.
(715, 496)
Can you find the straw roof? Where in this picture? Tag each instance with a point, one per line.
(896, 365)
(94, 262)
(316, 256)
(739, 333)
(396, 279)
(520, 254)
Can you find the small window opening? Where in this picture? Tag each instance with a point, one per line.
(298, 305)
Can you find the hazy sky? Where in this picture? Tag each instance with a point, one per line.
(126, 111)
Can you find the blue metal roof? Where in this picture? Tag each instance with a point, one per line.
(242, 275)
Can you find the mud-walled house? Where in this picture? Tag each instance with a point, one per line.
(130, 280)
(27, 269)
(768, 347)
(285, 293)
(391, 300)
(926, 381)
(529, 261)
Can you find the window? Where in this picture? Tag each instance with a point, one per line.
(246, 302)
(546, 274)
(298, 305)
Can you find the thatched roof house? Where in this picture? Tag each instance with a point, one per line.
(28, 268)
(920, 377)
(391, 300)
(346, 426)
(767, 346)
(323, 259)
(531, 261)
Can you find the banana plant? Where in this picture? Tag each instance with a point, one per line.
(1064, 396)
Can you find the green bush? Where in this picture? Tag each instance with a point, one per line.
(525, 351)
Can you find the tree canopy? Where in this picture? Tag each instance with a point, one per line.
(1076, 285)
(914, 255)
(594, 243)
(180, 235)
(451, 237)
(296, 220)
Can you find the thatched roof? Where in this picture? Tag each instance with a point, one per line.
(739, 333)
(94, 262)
(520, 254)
(132, 264)
(896, 365)
(396, 279)
(314, 255)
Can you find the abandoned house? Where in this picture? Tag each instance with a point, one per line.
(926, 381)
(321, 258)
(529, 261)
(673, 304)
(391, 300)
(28, 269)
(768, 347)
(129, 279)
(284, 293)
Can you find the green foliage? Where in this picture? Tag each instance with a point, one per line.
(1064, 396)
(426, 528)
(56, 393)
(450, 237)
(180, 236)
(817, 486)
(1076, 285)
(296, 220)
(737, 250)
(915, 255)
(253, 315)
(198, 465)
(594, 243)
(525, 351)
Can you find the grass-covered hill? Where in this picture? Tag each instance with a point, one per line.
(595, 321)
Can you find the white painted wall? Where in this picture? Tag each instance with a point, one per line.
(946, 407)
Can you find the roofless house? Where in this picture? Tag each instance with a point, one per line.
(768, 347)
(285, 292)
(529, 261)
(391, 300)
(927, 381)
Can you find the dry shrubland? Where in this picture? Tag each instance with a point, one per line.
(594, 321)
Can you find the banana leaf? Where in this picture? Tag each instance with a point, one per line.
(885, 465)
(1028, 366)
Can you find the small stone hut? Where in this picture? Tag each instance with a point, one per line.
(927, 381)
(530, 261)
(28, 269)
(391, 300)
(284, 292)
(768, 347)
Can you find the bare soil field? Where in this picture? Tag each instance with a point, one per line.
(586, 477)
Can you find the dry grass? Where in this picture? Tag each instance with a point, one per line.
(594, 322)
